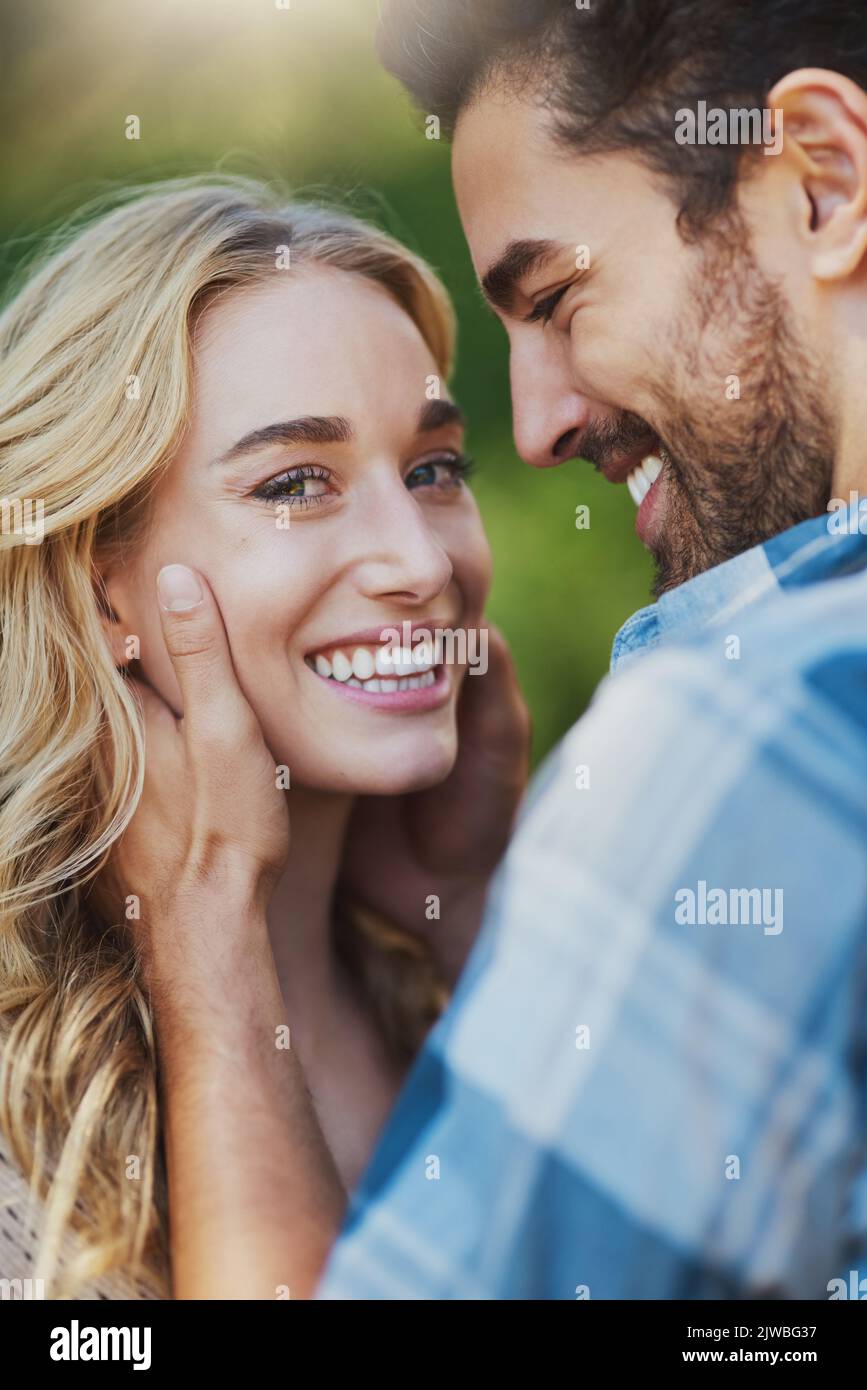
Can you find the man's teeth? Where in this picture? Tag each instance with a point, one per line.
(642, 478)
(369, 668)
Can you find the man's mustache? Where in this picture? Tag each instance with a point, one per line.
(607, 441)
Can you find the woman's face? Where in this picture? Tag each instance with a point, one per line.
(319, 491)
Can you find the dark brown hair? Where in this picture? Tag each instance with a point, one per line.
(614, 74)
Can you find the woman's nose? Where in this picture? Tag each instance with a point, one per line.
(402, 556)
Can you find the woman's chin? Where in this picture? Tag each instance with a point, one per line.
(420, 781)
(408, 776)
(394, 772)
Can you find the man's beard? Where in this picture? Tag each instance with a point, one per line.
(735, 471)
(739, 471)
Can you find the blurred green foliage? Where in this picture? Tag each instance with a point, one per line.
(296, 92)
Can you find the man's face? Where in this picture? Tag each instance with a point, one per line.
(678, 368)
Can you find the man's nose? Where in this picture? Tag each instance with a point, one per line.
(549, 415)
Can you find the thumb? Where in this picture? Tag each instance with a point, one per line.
(196, 641)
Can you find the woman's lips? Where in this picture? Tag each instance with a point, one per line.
(410, 700)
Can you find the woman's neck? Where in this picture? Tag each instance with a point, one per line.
(299, 914)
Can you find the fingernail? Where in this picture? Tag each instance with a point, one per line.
(178, 588)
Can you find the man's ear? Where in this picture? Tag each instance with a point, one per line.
(824, 117)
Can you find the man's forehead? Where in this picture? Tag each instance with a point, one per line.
(511, 186)
(498, 142)
(525, 209)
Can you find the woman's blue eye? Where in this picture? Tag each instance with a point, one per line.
(448, 471)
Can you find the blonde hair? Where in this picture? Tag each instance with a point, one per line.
(109, 303)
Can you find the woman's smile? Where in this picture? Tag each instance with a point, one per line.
(368, 667)
(429, 688)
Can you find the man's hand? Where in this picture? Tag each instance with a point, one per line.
(204, 849)
(448, 840)
(212, 824)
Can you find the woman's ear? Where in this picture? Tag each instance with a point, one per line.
(122, 645)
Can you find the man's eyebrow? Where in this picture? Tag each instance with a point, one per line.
(307, 429)
(520, 257)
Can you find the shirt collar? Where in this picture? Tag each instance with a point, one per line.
(821, 548)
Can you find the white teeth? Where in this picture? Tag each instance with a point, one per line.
(402, 664)
(341, 666)
(382, 665)
(377, 686)
(363, 665)
(652, 467)
(642, 478)
(635, 488)
(369, 669)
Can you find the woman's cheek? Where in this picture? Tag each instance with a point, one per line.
(264, 605)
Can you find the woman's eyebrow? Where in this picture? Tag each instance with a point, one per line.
(307, 429)
(435, 414)
(332, 429)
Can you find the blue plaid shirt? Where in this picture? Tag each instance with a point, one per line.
(652, 1079)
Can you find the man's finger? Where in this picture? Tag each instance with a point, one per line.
(197, 644)
(492, 710)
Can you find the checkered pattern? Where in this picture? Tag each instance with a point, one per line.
(620, 1104)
